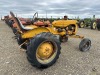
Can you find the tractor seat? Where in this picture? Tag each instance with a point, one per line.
(28, 28)
(22, 26)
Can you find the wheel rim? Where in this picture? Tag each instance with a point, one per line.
(94, 25)
(82, 24)
(46, 52)
(86, 46)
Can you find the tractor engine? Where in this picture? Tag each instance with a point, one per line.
(70, 26)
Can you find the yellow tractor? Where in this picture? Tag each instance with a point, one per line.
(44, 43)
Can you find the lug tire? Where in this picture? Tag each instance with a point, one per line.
(85, 45)
(32, 49)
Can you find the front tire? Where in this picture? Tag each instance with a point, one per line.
(43, 50)
(85, 45)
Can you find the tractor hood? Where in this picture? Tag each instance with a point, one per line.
(64, 23)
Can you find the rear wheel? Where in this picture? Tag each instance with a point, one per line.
(43, 50)
(94, 25)
(85, 45)
(81, 24)
(98, 27)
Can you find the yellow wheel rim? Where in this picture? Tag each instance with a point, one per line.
(94, 25)
(46, 52)
(82, 24)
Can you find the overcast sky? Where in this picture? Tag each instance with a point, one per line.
(55, 8)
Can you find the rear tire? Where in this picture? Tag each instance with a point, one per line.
(93, 25)
(35, 57)
(81, 24)
(98, 26)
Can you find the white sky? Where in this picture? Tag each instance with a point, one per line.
(54, 8)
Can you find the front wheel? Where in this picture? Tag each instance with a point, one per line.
(85, 45)
(43, 50)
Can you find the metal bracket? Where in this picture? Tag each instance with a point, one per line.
(76, 36)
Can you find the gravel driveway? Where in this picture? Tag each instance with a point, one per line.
(13, 60)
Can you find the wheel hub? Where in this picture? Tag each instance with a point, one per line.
(82, 24)
(94, 25)
(45, 50)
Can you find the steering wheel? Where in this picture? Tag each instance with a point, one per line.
(35, 16)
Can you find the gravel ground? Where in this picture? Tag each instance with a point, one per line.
(13, 61)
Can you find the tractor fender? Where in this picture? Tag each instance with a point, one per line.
(32, 33)
(76, 28)
(93, 21)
